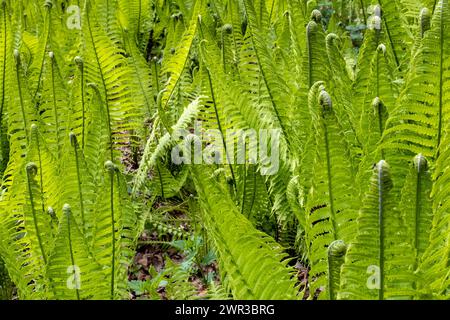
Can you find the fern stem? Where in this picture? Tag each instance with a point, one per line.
(31, 170)
(80, 187)
(309, 52)
(380, 104)
(271, 10)
(19, 87)
(139, 18)
(4, 154)
(69, 239)
(55, 107)
(35, 133)
(397, 62)
(111, 168)
(219, 124)
(380, 181)
(47, 37)
(441, 80)
(83, 106)
(330, 182)
(4, 53)
(418, 206)
(102, 77)
(107, 15)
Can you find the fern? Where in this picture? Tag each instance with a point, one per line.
(418, 121)
(243, 250)
(377, 265)
(330, 203)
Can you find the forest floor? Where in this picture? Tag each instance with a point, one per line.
(154, 256)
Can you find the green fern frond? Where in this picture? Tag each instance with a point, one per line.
(330, 204)
(72, 271)
(242, 250)
(379, 262)
(416, 126)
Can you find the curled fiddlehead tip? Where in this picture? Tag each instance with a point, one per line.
(34, 130)
(316, 16)
(227, 28)
(311, 27)
(381, 48)
(337, 248)
(383, 177)
(425, 14)
(110, 166)
(48, 4)
(425, 20)
(32, 169)
(51, 212)
(382, 166)
(420, 162)
(377, 104)
(331, 40)
(325, 100)
(78, 61)
(331, 37)
(67, 209)
(16, 56)
(73, 139)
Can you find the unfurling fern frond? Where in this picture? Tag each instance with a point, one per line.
(395, 31)
(417, 206)
(336, 258)
(72, 271)
(379, 262)
(331, 203)
(114, 223)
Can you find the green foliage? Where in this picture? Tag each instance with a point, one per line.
(96, 103)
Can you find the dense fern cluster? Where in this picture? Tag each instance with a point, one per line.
(361, 194)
